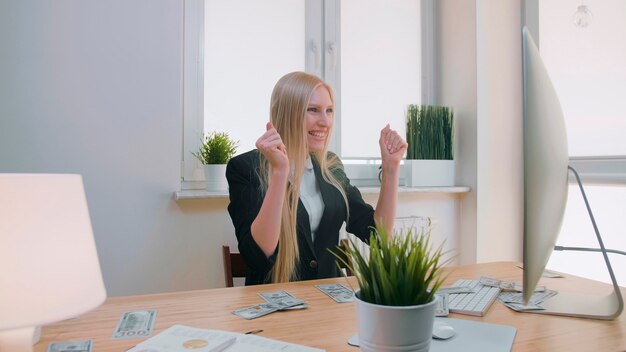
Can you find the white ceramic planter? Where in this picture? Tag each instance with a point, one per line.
(215, 176)
(394, 329)
(429, 173)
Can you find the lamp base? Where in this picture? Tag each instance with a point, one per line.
(17, 340)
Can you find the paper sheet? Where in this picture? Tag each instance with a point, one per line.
(184, 338)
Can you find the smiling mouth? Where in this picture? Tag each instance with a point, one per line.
(317, 134)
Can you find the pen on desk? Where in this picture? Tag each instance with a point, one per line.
(254, 332)
(224, 345)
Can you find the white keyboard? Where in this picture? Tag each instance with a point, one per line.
(476, 303)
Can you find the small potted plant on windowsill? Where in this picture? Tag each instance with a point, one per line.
(430, 154)
(396, 300)
(214, 153)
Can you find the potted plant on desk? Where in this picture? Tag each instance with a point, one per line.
(215, 152)
(430, 154)
(396, 301)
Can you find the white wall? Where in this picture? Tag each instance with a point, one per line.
(456, 87)
(499, 130)
(479, 75)
(94, 88)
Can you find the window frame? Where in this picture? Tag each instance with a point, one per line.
(193, 93)
(604, 170)
(601, 169)
(322, 58)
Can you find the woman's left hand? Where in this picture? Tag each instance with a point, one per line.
(392, 147)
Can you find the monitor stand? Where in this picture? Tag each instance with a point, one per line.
(586, 305)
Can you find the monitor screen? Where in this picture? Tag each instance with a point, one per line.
(545, 165)
(545, 193)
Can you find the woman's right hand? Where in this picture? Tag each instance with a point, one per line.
(265, 228)
(271, 146)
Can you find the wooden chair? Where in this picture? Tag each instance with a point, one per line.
(234, 266)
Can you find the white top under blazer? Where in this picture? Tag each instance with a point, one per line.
(311, 197)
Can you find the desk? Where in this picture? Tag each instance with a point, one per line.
(328, 325)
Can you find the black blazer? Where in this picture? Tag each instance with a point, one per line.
(316, 262)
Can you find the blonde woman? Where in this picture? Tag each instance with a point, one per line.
(290, 196)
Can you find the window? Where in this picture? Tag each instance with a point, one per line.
(248, 46)
(235, 51)
(588, 68)
(380, 70)
(588, 71)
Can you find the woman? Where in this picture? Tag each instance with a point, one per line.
(290, 196)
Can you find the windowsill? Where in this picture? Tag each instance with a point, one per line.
(403, 189)
(202, 194)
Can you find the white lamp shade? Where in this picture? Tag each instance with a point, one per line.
(49, 269)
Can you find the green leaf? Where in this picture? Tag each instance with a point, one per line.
(217, 148)
(429, 132)
(401, 271)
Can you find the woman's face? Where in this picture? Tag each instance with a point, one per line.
(319, 119)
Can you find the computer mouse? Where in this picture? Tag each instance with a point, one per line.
(443, 331)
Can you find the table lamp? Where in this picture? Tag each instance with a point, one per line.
(49, 269)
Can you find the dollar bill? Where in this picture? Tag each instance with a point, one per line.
(487, 281)
(337, 292)
(541, 296)
(134, 324)
(520, 288)
(284, 299)
(256, 311)
(70, 346)
(506, 285)
(517, 297)
(519, 307)
(442, 309)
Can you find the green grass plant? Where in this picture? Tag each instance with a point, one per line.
(429, 132)
(401, 271)
(217, 148)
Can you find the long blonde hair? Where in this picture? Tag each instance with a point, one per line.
(288, 107)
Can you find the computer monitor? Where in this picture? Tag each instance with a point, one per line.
(546, 173)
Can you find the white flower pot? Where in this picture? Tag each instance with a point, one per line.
(429, 173)
(394, 328)
(215, 176)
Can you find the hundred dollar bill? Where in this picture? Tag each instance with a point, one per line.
(487, 281)
(517, 297)
(338, 292)
(70, 346)
(256, 311)
(506, 285)
(519, 307)
(134, 324)
(284, 299)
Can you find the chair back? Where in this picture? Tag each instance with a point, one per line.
(234, 266)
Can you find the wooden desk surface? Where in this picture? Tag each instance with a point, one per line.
(328, 325)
